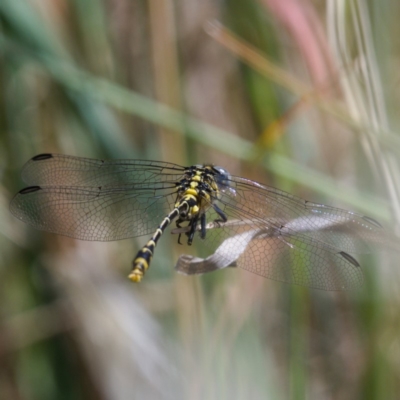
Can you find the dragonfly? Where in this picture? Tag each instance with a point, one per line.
(242, 223)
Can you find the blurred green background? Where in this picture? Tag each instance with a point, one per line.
(301, 95)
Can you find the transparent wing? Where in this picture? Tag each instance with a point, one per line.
(285, 238)
(96, 200)
(94, 213)
(290, 259)
(341, 229)
(62, 170)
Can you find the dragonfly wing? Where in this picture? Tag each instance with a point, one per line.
(286, 258)
(284, 238)
(295, 260)
(94, 213)
(62, 170)
(344, 230)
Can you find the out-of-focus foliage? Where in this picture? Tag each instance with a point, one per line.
(301, 95)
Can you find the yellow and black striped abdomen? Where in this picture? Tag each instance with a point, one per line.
(141, 263)
(143, 258)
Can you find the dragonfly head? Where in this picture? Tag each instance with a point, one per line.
(223, 179)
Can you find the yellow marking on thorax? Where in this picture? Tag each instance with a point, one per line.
(191, 191)
(195, 210)
(197, 178)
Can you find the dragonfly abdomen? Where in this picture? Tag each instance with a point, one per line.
(143, 258)
(187, 205)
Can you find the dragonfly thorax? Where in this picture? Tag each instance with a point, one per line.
(200, 188)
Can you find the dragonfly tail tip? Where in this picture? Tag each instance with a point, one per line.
(136, 276)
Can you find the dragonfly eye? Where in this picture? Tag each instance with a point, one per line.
(223, 179)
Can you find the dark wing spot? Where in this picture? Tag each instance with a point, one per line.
(350, 259)
(30, 189)
(40, 157)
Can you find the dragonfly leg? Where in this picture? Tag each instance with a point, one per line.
(193, 226)
(178, 225)
(222, 216)
(203, 230)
